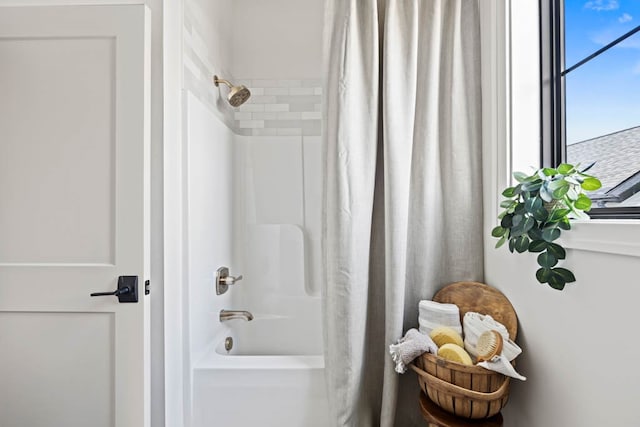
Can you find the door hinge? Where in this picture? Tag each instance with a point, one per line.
(146, 287)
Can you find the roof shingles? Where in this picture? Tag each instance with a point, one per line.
(617, 156)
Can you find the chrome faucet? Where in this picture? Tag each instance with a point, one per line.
(235, 314)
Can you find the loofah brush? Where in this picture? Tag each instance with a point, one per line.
(489, 345)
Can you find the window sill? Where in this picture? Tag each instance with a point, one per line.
(621, 237)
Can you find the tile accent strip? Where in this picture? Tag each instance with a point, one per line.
(281, 107)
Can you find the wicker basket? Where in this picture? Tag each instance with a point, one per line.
(465, 391)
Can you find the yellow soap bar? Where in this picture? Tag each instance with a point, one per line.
(444, 335)
(455, 353)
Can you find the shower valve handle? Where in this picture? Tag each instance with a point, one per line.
(230, 280)
(223, 280)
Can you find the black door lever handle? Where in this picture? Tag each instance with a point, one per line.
(127, 290)
(116, 293)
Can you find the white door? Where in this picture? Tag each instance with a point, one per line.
(73, 215)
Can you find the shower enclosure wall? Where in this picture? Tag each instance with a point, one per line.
(252, 193)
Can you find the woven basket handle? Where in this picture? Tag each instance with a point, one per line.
(444, 386)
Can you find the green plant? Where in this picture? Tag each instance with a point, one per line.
(536, 211)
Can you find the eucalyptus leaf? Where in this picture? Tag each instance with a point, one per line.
(556, 250)
(507, 203)
(591, 184)
(532, 186)
(535, 234)
(565, 168)
(541, 214)
(537, 246)
(564, 224)
(550, 234)
(507, 221)
(543, 275)
(573, 194)
(560, 192)
(583, 203)
(565, 274)
(509, 192)
(498, 231)
(527, 224)
(557, 183)
(558, 214)
(520, 176)
(521, 244)
(501, 241)
(556, 281)
(517, 219)
(547, 260)
(545, 194)
(572, 180)
(517, 231)
(549, 171)
(533, 204)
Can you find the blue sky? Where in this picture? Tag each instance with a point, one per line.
(603, 96)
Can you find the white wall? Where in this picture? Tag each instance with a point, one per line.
(579, 348)
(278, 39)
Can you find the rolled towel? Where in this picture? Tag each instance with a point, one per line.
(500, 364)
(426, 327)
(475, 324)
(433, 314)
(412, 345)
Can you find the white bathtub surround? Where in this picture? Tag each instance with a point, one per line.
(253, 205)
(403, 188)
(266, 391)
(274, 374)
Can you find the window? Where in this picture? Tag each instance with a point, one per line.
(590, 73)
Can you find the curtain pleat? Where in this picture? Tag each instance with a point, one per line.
(402, 187)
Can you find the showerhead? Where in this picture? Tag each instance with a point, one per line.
(238, 95)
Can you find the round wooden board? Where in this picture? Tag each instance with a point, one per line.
(480, 298)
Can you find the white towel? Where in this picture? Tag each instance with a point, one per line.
(500, 364)
(433, 314)
(475, 324)
(412, 345)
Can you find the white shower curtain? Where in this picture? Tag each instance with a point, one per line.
(403, 190)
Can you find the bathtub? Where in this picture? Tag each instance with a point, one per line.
(273, 375)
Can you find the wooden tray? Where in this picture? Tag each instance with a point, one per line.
(480, 298)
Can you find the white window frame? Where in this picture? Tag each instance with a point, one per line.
(511, 121)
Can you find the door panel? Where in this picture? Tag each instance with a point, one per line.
(40, 355)
(73, 215)
(58, 199)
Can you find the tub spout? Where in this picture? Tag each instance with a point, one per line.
(235, 314)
